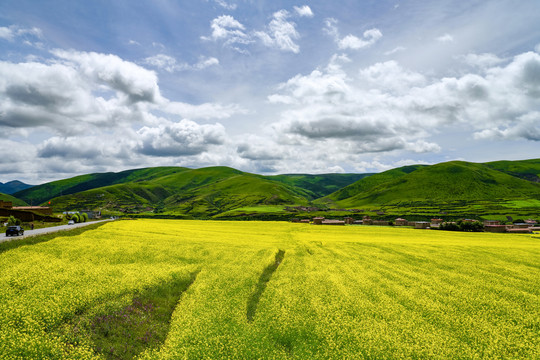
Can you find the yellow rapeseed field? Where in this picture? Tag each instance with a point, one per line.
(338, 292)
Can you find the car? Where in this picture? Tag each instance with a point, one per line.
(14, 231)
(71, 222)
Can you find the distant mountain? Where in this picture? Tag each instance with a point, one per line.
(318, 185)
(457, 186)
(440, 183)
(14, 200)
(12, 187)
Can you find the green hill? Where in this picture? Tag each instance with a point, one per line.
(441, 186)
(367, 183)
(14, 200)
(42, 193)
(197, 192)
(524, 169)
(458, 187)
(318, 185)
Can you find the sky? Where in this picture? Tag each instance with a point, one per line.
(267, 87)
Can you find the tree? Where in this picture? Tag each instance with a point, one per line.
(84, 217)
(75, 218)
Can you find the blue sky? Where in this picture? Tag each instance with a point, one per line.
(265, 86)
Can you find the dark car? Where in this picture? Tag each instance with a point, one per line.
(14, 230)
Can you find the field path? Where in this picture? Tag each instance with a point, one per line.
(28, 233)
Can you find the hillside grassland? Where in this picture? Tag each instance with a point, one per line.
(272, 290)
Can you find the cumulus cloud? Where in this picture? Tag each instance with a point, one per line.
(351, 41)
(228, 30)
(179, 138)
(136, 83)
(258, 148)
(83, 93)
(386, 107)
(370, 37)
(169, 63)
(303, 11)
(281, 33)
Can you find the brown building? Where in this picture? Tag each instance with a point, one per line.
(401, 222)
(45, 210)
(421, 225)
(318, 220)
(495, 228)
(6, 204)
(333, 222)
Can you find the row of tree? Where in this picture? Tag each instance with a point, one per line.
(79, 217)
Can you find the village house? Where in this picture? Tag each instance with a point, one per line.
(333, 222)
(435, 223)
(401, 222)
(45, 210)
(422, 225)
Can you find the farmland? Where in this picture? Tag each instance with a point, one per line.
(271, 290)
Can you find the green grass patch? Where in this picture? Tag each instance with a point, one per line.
(124, 333)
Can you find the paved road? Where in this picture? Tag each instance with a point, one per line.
(52, 229)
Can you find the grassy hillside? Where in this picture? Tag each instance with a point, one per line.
(14, 200)
(446, 185)
(457, 187)
(318, 185)
(524, 169)
(370, 182)
(197, 192)
(41, 193)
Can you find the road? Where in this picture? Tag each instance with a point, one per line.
(47, 230)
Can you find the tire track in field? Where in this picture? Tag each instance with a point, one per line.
(265, 277)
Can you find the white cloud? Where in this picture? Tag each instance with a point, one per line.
(351, 41)
(395, 50)
(280, 33)
(169, 63)
(388, 108)
(230, 31)
(203, 111)
(182, 138)
(445, 38)
(370, 37)
(12, 32)
(134, 83)
(303, 11)
(89, 93)
(226, 5)
(162, 61)
(485, 60)
(6, 33)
